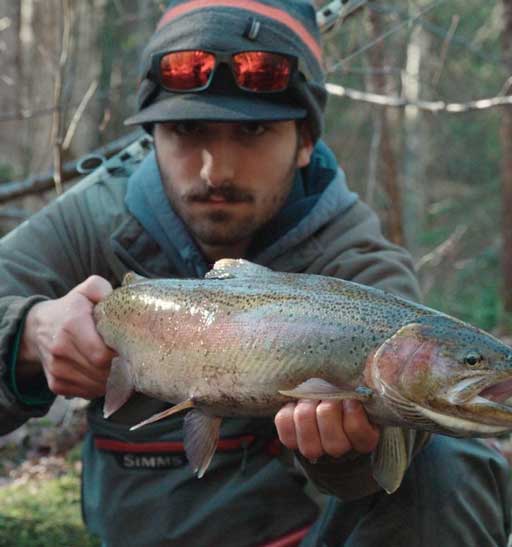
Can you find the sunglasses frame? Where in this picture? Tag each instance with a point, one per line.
(221, 57)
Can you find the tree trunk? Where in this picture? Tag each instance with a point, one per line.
(506, 155)
(416, 140)
(39, 36)
(388, 171)
(83, 77)
(10, 17)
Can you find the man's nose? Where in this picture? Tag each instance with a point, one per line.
(218, 165)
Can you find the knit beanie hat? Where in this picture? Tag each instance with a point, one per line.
(282, 26)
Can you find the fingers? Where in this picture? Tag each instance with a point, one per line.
(326, 427)
(81, 336)
(69, 373)
(89, 343)
(64, 378)
(308, 435)
(95, 371)
(334, 437)
(94, 288)
(363, 435)
(63, 334)
(286, 427)
(76, 337)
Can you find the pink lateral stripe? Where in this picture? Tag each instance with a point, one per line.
(290, 540)
(250, 5)
(110, 445)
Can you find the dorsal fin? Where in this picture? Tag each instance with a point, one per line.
(227, 268)
(131, 277)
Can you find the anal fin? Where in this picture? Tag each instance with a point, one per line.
(318, 389)
(185, 405)
(201, 438)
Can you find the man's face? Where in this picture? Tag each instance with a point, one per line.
(226, 180)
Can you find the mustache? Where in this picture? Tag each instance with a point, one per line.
(230, 194)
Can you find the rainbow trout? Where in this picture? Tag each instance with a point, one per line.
(245, 340)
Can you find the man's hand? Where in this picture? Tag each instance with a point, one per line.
(327, 427)
(60, 336)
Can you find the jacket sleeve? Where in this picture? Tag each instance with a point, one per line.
(355, 249)
(43, 258)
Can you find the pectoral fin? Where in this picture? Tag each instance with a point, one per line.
(201, 438)
(185, 405)
(119, 386)
(318, 389)
(392, 457)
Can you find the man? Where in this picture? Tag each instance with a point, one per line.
(232, 92)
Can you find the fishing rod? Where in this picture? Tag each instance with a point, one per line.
(336, 11)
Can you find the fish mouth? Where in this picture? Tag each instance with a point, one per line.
(473, 407)
(480, 387)
(484, 402)
(500, 392)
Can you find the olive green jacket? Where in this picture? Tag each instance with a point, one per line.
(88, 230)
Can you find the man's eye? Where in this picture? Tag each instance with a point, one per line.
(253, 129)
(188, 129)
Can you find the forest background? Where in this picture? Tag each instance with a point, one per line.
(419, 116)
(435, 175)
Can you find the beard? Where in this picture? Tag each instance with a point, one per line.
(239, 220)
(245, 211)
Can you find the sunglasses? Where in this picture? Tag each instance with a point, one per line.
(193, 69)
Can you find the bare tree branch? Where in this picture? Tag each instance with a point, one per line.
(505, 90)
(385, 35)
(5, 23)
(443, 249)
(56, 132)
(444, 50)
(430, 106)
(373, 158)
(78, 114)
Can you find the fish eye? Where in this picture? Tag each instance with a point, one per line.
(472, 358)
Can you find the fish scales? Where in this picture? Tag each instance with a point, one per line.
(220, 335)
(245, 340)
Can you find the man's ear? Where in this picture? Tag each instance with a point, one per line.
(305, 144)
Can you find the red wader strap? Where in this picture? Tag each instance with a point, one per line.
(111, 445)
(272, 448)
(292, 539)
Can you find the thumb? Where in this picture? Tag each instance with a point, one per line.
(94, 288)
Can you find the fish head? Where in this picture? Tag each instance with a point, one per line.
(447, 376)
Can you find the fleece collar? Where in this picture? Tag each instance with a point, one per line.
(319, 193)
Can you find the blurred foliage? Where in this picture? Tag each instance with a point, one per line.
(44, 512)
(460, 186)
(6, 172)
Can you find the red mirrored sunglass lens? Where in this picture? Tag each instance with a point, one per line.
(186, 70)
(262, 71)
